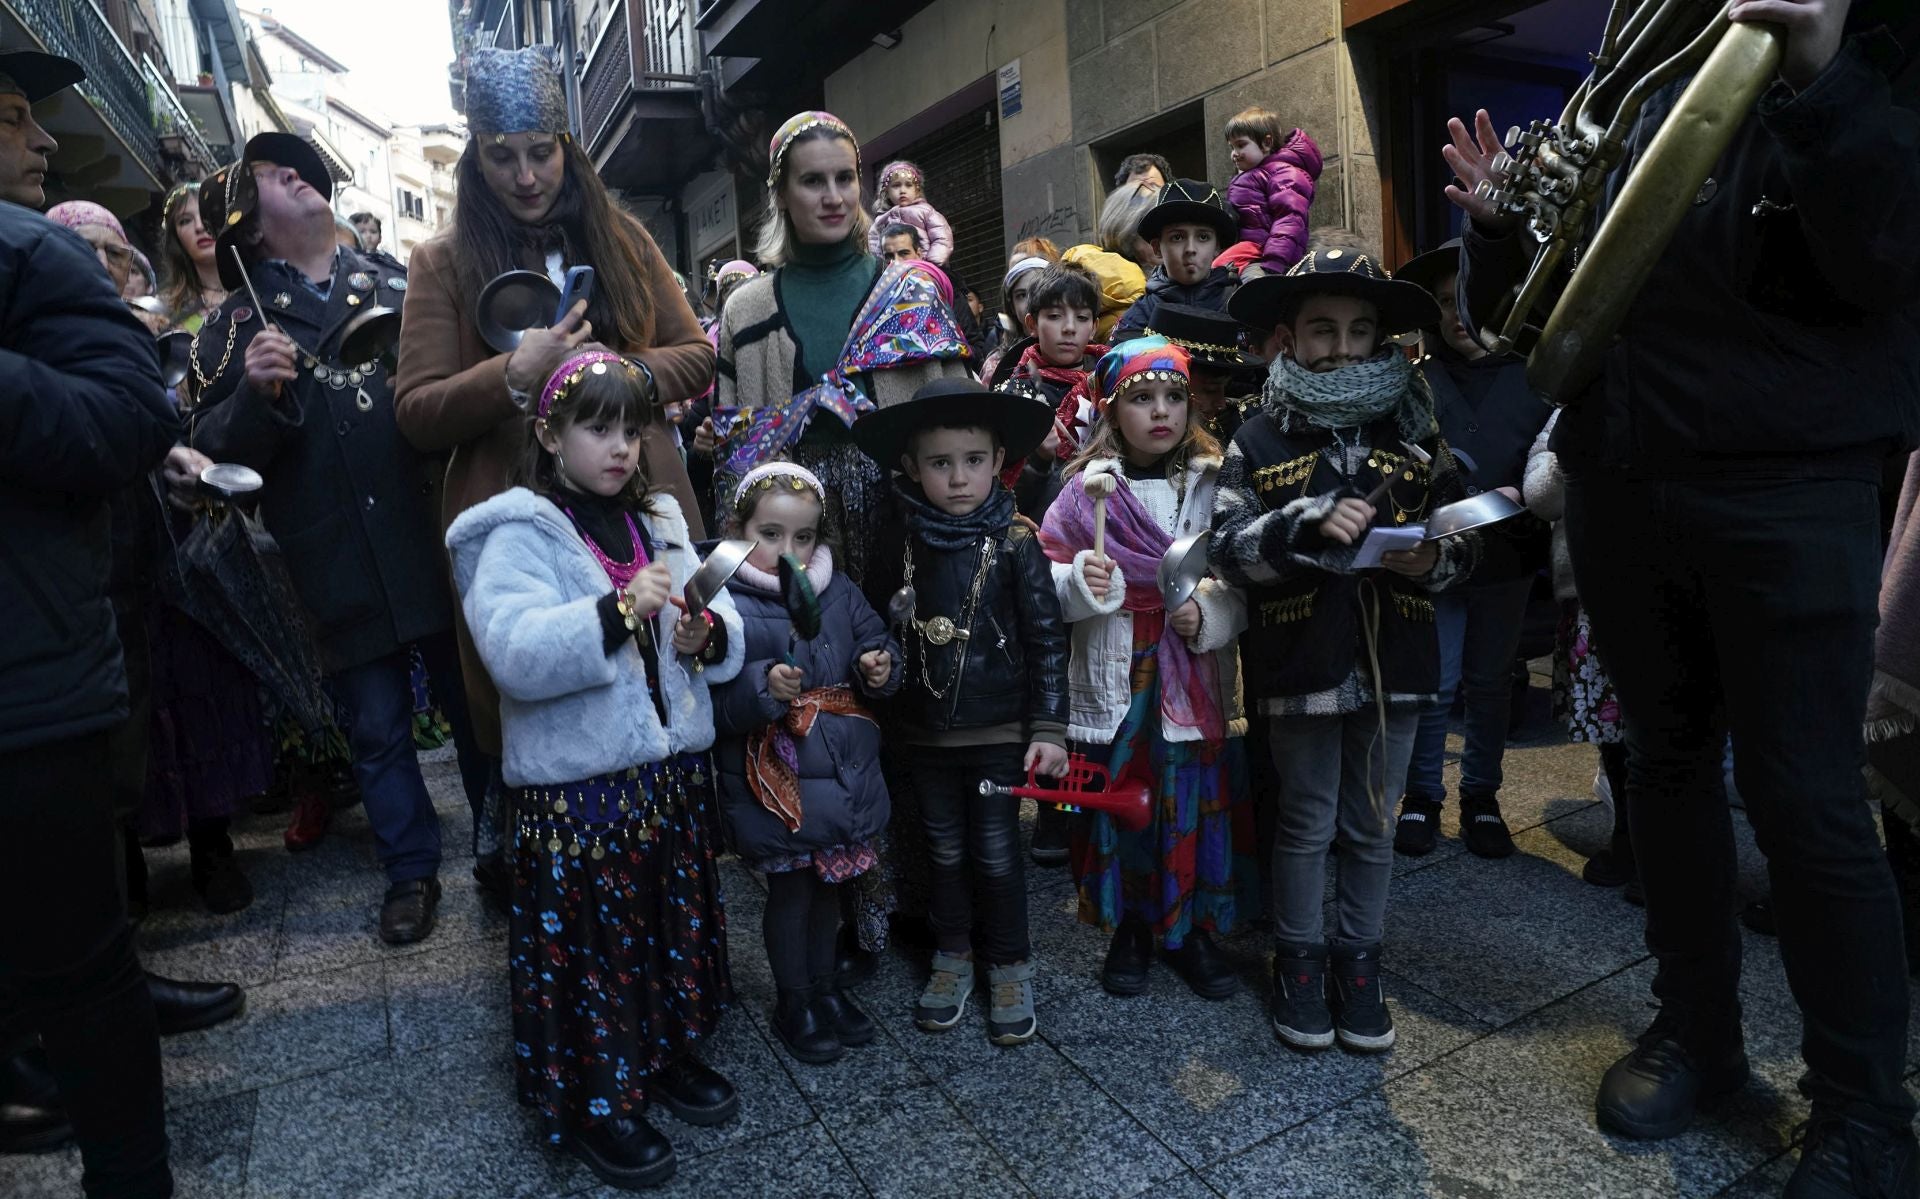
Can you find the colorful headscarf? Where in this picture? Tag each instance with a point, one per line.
(73, 214)
(793, 127)
(1138, 360)
(570, 372)
(762, 477)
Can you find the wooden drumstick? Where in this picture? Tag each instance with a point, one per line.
(1100, 486)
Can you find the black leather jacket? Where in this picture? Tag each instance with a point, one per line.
(1011, 668)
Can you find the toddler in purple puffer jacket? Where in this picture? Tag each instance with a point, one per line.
(903, 201)
(1272, 192)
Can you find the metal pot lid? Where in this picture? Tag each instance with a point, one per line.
(373, 333)
(1182, 567)
(1474, 512)
(512, 303)
(720, 567)
(231, 479)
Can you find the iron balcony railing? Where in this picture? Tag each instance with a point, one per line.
(132, 99)
(170, 118)
(650, 47)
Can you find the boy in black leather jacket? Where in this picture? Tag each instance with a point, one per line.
(986, 690)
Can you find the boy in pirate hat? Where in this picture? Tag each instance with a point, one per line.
(1340, 658)
(986, 668)
(346, 496)
(1189, 226)
(1489, 416)
(1222, 372)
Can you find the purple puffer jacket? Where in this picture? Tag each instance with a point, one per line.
(936, 236)
(1271, 201)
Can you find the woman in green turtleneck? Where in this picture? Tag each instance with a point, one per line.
(783, 330)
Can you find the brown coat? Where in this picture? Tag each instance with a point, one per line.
(450, 398)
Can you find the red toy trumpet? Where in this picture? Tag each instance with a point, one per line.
(1126, 801)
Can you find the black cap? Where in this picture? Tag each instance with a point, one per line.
(38, 75)
(1428, 269)
(1404, 307)
(241, 193)
(1190, 202)
(1020, 422)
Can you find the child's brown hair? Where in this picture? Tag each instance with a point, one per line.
(1260, 124)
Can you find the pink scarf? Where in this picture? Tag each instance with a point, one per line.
(1189, 682)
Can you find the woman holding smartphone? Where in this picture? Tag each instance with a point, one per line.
(530, 199)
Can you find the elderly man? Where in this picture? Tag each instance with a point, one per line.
(82, 416)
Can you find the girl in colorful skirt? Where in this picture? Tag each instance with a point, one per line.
(799, 753)
(617, 942)
(1154, 692)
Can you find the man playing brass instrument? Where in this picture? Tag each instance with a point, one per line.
(1723, 518)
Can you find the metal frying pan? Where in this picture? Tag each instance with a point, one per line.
(373, 335)
(721, 565)
(176, 355)
(1182, 567)
(510, 304)
(1474, 512)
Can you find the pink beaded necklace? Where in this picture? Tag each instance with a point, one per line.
(621, 573)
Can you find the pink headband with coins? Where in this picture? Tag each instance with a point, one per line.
(572, 371)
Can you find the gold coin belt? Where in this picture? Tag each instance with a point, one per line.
(609, 814)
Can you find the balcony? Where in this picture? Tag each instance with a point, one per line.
(784, 48)
(640, 97)
(131, 132)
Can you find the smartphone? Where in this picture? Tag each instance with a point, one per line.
(578, 287)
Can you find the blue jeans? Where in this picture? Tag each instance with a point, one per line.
(1479, 636)
(378, 697)
(1749, 605)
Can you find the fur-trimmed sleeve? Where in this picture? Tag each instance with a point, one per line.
(1544, 487)
(1255, 547)
(1223, 616)
(1076, 602)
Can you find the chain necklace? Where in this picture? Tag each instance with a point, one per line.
(941, 629)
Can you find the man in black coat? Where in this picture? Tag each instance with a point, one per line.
(1722, 513)
(346, 496)
(82, 416)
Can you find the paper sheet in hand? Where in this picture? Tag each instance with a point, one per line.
(1380, 539)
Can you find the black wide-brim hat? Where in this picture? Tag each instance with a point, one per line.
(242, 194)
(39, 74)
(1190, 202)
(1403, 307)
(1211, 338)
(1021, 423)
(1428, 269)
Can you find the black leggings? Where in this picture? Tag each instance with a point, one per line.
(801, 924)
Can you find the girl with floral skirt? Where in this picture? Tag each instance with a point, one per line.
(617, 941)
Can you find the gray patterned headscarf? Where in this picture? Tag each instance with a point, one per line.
(515, 91)
(1353, 396)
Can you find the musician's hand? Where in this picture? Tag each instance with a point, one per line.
(1348, 521)
(690, 633)
(1098, 573)
(1815, 29)
(541, 351)
(649, 590)
(1414, 562)
(783, 682)
(876, 667)
(1186, 619)
(1044, 757)
(270, 362)
(1471, 157)
(181, 471)
(704, 440)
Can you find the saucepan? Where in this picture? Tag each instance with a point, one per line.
(1182, 567)
(512, 303)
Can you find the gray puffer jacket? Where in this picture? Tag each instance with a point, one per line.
(843, 799)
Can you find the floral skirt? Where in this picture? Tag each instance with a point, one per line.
(616, 937)
(1193, 866)
(1582, 692)
(855, 490)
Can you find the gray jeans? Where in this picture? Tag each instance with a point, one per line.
(1331, 768)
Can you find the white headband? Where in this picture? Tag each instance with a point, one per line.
(767, 470)
(1029, 263)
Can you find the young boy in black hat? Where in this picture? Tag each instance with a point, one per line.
(1340, 658)
(1489, 416)
(986, 668)
(1189, 226)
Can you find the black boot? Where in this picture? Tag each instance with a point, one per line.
(216, 877)
(1849, 1159)
(1679, 1066)
(1052, 834)
(1129, 958)
(802, 1027)
(849, 1024)
(32, 1118)
(1198, 961)
(627, 1153)
(694, 1091)
(1298, 1008)
(183, 1007)
(852, 964)
(1360, 1016)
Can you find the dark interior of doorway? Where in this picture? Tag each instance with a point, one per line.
(1178, 135)
(961, 163)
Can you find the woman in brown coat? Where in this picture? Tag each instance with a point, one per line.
(528, 198)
